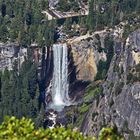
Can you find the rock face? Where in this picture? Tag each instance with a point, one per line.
(119, 104)
(84, 60)
(9, 53)
(53, 3)
(86, 56)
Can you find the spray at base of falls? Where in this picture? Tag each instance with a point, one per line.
(60, 83)
(57, 92)
(59, 86)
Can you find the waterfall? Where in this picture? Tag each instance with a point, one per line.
(60, 84)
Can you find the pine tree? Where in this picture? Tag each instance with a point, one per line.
(91, 16)
(3, 9)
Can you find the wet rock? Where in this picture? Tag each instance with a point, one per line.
(48, 98)
(48, 123)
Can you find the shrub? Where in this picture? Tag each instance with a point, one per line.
(84, 108)
(109, 134)
(23, 129)
(15, 129)
(92, 92)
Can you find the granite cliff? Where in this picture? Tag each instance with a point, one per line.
(119, 103)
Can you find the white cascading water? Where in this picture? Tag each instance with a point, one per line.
(60, 84)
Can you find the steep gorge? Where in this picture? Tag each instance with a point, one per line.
(105, 57)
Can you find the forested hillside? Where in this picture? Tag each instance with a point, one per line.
(19, 94)
(22, 21)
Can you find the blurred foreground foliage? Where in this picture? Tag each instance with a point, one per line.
(23, 129)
